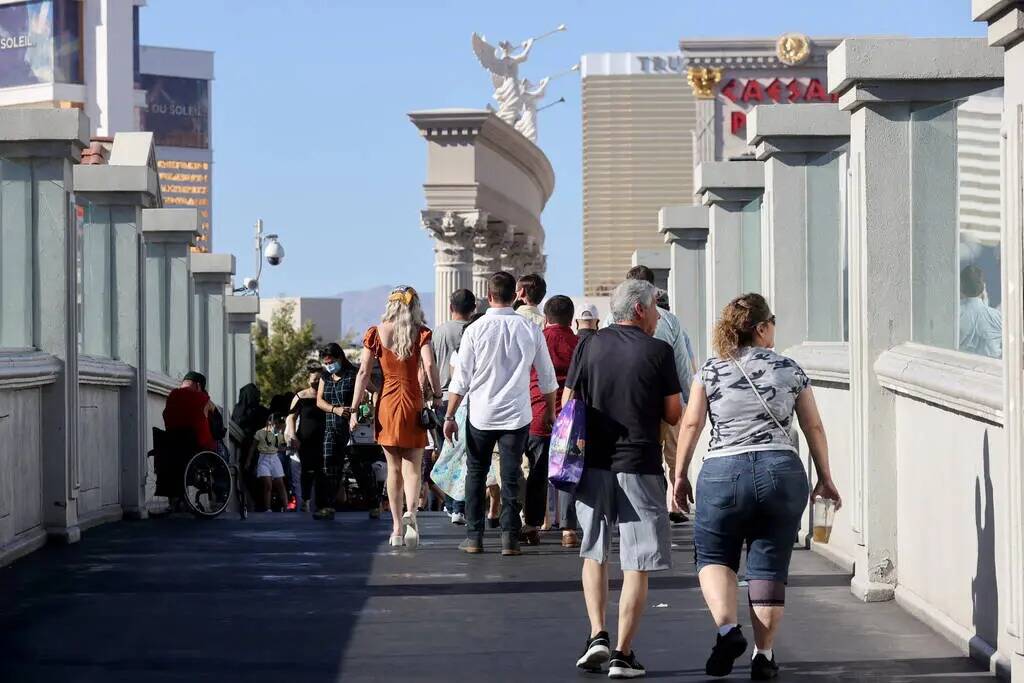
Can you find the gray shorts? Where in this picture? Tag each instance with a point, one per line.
(636, 503)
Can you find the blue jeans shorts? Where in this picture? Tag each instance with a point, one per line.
(754, 498)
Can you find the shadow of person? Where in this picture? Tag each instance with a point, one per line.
(984, 586)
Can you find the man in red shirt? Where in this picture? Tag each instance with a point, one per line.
(561, 342)
(189, 408)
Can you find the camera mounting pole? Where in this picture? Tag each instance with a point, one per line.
(275, 254)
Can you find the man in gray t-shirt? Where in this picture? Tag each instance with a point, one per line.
(448, 335)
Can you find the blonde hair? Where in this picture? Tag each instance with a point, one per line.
(404, 312)
(740, 318)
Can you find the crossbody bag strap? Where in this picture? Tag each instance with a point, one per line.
(789, 437)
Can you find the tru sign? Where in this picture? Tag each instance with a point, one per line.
(753, 92)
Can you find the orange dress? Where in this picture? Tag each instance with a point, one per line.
(401, 400)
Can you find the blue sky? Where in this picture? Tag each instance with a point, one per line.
(309, 109)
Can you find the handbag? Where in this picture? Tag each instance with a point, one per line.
(449, 472)
(428, 419)
(789, 435)
(568, 444)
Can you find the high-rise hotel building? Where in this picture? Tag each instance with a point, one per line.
(638, 115)
(650, 118)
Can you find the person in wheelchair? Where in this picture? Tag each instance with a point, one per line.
(269, 470)
(187, 424)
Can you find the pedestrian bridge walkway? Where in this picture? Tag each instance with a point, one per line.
(282, 597)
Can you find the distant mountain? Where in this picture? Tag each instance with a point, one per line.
(362, 309)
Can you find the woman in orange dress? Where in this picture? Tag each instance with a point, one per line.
(401, 343)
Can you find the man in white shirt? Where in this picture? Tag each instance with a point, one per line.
(493, 374)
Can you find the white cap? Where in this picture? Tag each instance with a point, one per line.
(587, 312)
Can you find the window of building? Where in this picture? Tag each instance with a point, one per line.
(956, 220)
(16, 253)
(750, 246)
(96, 266)
(827, 271)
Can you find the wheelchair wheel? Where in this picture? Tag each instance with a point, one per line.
(208, 484)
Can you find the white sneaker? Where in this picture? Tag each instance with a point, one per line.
(458, 518)
(396, 541)
(412, 534)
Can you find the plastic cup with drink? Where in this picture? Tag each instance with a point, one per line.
(824, 511)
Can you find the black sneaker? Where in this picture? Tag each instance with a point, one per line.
(763, 669)
(595, 653)
(625, 666)
(727, 649)
(677, 517)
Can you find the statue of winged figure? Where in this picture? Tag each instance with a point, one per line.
(527, 123)
(504, 68)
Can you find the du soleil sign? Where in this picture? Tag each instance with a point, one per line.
(26, 44)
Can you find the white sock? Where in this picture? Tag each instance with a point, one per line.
(725, 628)
(767, 653)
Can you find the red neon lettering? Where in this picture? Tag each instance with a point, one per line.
(729, 88)
(794, 90)
(753, 91)
(738, 121)
(815, 91)
(774, 90)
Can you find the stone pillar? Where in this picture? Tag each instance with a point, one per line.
(513, 253)
(114, 197)
(1005, 21)
(881, 82)
(241, 361)
(732, 192)
(802, 211)
(211, 277)
(686, 232)
(487, 239)
(453, 255)
(47, 144)
(169, 236)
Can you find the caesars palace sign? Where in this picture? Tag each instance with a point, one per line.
(736, 95)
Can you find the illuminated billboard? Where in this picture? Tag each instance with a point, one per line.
(187, 184)
(40, 42)
(178, 110)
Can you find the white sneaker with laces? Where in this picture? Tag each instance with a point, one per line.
(458, 518)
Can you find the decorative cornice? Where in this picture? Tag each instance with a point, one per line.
(823, 361)
(104, 372)
(160, 384)
(953, 380)
(470, 123)
(27, 369)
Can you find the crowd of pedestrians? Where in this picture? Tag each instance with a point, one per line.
(494, 382)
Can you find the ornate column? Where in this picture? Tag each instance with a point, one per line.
(113, 361)
(211, 277)
(686, 232)
(487, 240)
(731, 190)
(1005, 19)
(512, 251)
(803, 147)
(453, 255)
(882, 83)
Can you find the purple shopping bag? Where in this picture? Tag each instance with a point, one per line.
(568, 439)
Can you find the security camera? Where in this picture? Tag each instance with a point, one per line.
(274, 252)
(251, 284)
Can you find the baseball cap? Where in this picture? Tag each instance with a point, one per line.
(587, 312)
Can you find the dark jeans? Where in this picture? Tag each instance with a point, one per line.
(480, 446)
(757, 499)
(567, 511)
(455, 505)
(537, 483)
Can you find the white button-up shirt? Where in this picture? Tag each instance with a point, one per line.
(493, 369)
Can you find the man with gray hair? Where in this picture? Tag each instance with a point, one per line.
(628, 381)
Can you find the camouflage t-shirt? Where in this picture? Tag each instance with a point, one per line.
(739, 423)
